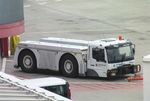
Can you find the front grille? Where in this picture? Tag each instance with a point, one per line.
(125, 69)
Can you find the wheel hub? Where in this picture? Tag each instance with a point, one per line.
(68, 66)
(27, 61)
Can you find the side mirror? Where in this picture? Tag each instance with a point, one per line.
(133, 51)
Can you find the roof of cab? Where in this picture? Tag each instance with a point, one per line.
(109, 41)
(42, 82)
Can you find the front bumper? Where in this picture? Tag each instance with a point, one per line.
(124, 70)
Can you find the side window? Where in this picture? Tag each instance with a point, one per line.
(58, 89)
(98, 54)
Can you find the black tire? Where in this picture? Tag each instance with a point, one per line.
(69, 66)
(27, 61)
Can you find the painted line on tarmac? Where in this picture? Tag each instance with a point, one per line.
(22, 77)
(104, 86)
(42, 2)
(27, 6)
(79, 31)
(58, 0)
(3, 64)
(8, 60)
(104, 82)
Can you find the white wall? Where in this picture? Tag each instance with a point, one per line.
(146, 68)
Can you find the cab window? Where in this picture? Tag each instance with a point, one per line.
(58, 89)
(98, 54)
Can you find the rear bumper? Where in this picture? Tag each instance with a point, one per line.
(124, 70)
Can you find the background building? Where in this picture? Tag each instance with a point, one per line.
(11, 22)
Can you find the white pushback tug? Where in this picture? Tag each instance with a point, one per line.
(103, 58)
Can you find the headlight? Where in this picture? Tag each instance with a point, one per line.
(113, 72)
(138, 68)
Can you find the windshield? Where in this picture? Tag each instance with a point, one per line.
(119, 53)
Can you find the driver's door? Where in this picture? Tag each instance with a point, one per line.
(97, 60)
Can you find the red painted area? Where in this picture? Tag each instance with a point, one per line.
(135, 78)
(4, 47)
(7, 30)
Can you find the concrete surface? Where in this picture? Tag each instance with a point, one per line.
(90, 19)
